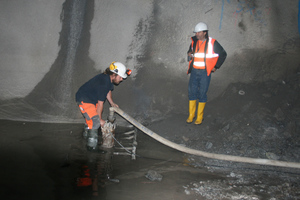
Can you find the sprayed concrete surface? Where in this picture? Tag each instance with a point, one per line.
(49, 49)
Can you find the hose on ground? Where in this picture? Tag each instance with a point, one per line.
(201, 153)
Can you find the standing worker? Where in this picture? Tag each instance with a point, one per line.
(205, 55)
(91, 96)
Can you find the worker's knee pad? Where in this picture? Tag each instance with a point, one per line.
(96, 122)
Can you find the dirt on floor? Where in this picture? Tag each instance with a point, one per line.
(261, 120)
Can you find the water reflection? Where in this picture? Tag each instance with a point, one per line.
(97, 173)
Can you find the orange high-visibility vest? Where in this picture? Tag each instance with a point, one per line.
(211, 56)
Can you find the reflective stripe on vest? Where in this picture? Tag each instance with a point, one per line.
(211, 56)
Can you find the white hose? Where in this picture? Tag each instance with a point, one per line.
(201, 153)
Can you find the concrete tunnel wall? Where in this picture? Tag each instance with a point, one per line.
(49, 48)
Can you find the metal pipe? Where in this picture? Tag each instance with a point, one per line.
(122, 153)
(111, 118)
(129, 132)
(125, 148)
(202, 153)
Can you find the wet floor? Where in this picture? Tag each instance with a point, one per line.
(49, 161)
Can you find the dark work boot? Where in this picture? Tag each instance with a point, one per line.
(85, 131)
(92, 139)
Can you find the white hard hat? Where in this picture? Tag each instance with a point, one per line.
(200, 27)
(118, 68)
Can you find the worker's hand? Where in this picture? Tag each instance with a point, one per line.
(213, 70)
(190, 54)
(114, 105)
(102, 122)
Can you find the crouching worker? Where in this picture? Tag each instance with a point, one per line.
(91, 96)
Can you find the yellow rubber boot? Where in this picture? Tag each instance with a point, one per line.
(192, 110)
(200, 113)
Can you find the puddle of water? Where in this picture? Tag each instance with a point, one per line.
(120, 177)
(44, 161)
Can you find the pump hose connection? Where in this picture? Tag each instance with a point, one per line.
(178, 147)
